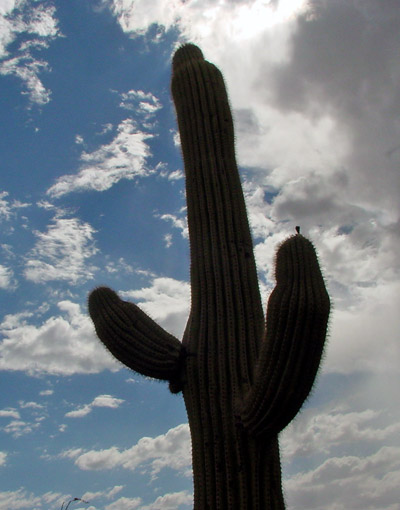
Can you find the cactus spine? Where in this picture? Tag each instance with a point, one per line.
(242, 382)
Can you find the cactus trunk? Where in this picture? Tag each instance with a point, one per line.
(242, 383)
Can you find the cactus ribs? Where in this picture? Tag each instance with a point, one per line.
(242, 381)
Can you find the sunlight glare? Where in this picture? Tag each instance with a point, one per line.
(260, 15)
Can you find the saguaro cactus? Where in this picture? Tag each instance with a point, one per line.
(242, 382)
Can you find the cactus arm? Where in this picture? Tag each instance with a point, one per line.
(133, 337)
(291, 351)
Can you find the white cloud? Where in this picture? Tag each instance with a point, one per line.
(100, 401)
(3, 458)
(358, 482)
(79, 413)
(362, 274)
(178, 222)
(167, 301)
(341, 454)
(65, 344)
(123, 158)
(40, 20)
(175, 175)
(170, 501)
(9, 413)
(61, 252)
(107, 401)
(171, 450)
(124, 504)
(18, 500)
(199, 21)
(321, 432)
(363, 337)
(21, 499)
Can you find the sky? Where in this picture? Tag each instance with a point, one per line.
(92, 193)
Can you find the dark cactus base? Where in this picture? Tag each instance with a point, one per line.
(242, 382)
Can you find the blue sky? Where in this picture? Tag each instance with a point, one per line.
(92, 192)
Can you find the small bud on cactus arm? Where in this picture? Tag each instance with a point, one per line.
(291, 351)
(133, 337)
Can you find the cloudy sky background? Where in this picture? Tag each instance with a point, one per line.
(92, 192)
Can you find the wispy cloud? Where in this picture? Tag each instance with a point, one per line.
(39, 24)
(30, 405)
(8, 208)
(5, 210)
(18, 428)
(120, 267)
(27, 68)
(100, 401)
(61, 253)
(46, 393)
(142, 103)
(108, 493)
(123, 158)
(7, 280)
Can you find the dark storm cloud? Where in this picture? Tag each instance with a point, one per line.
(344, 62)
(345, 54)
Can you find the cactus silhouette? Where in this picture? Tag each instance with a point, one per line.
(242, 381)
